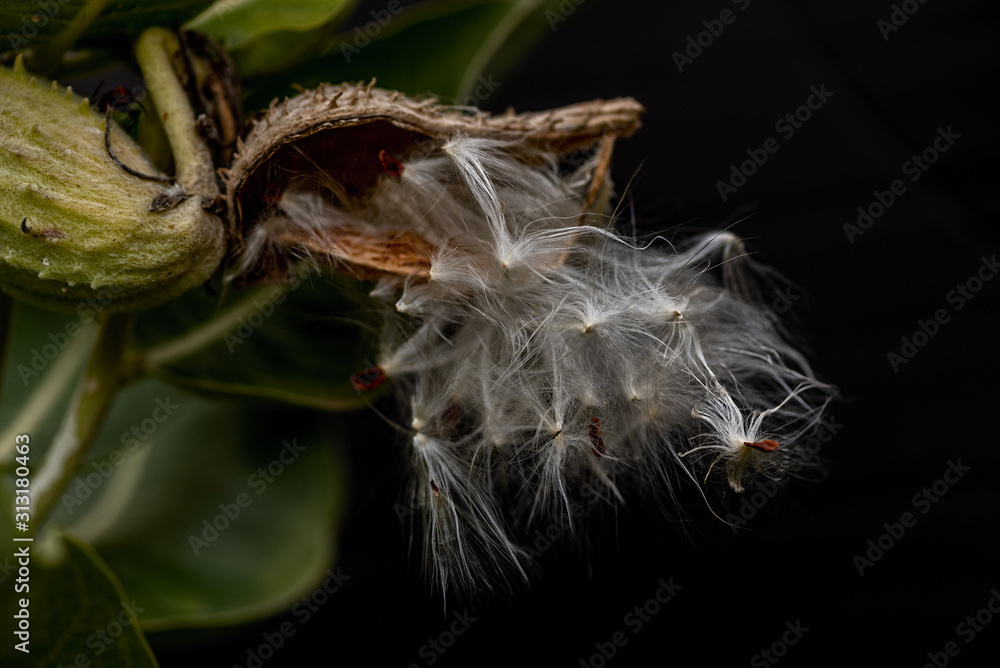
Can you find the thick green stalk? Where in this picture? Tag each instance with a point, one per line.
(91, 401)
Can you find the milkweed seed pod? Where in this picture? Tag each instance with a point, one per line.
(537, 350)
(373, 157)
(76, 225)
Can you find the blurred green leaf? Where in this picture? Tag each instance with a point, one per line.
(235, 22)
(38, 22)
(77, 608)
(298, 345)
(436, 47)
(46, 357)
(281, 50)
(168, 466)
(126, 19)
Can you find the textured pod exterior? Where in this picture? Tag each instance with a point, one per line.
(339, 130)
(74, 225)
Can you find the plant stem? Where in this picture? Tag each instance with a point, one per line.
(154, 52)
(200, 337)
(92, 399)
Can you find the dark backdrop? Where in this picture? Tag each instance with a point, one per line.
(889, 93)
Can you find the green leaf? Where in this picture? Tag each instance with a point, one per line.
(235, 22)
(126, 19)
(77, 608)
(296, 345)
(29, 24)
(167, 463)
(441, 48)
(279, 51)
(39, 22)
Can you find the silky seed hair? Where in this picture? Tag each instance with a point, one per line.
(538, 351)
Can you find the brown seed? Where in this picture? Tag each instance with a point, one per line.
(763, 446)
(368, 380)
(390, 166)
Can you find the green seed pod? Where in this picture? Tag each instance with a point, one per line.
(75, 225)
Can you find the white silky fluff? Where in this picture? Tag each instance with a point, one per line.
(533, 324)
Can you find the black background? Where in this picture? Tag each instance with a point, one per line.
(896, 430)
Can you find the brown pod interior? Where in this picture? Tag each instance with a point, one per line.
(338, 140)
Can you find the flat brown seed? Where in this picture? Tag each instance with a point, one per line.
(763, 446)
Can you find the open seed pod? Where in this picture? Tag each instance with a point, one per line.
(538, 354)
(378, 183)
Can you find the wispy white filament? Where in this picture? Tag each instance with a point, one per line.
(547, 352)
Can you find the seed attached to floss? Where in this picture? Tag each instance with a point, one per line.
(390, 166)
(763, 446)
(489, 260)
(368, 380)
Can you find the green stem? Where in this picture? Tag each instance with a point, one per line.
(154, 51)
(91, 401)
(202, 336)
